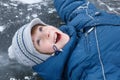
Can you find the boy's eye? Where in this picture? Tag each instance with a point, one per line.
(38, 42)
(40, 29)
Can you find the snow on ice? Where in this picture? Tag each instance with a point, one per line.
(28, 1)
(2, 28)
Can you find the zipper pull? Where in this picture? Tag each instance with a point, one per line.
(57, 51)
(90, 30)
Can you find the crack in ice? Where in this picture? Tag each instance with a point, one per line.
(108, 7)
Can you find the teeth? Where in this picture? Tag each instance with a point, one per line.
(55, 37)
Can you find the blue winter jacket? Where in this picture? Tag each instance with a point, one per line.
(93, 52)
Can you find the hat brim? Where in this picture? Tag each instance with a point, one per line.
(27, 32)
(36, 21)
(28, 41)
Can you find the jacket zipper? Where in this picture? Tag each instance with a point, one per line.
(99, 54)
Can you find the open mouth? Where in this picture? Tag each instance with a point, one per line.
(58, 37)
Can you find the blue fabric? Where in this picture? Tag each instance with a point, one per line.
(93, 51)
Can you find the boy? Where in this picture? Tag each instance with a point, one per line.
(35, 42)
(89, 41)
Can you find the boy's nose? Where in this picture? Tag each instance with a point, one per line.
(46, 34)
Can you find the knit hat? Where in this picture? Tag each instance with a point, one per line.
(22, 48)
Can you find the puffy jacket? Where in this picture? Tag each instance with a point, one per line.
(93, 52)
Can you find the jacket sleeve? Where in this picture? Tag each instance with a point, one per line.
(75, 11)
(66, 7)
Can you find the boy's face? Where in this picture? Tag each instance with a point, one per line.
(44, 37)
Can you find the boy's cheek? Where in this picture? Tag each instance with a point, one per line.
(47, 49)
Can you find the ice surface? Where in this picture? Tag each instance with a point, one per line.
(29, 1)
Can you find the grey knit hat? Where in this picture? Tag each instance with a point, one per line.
(22, 48)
